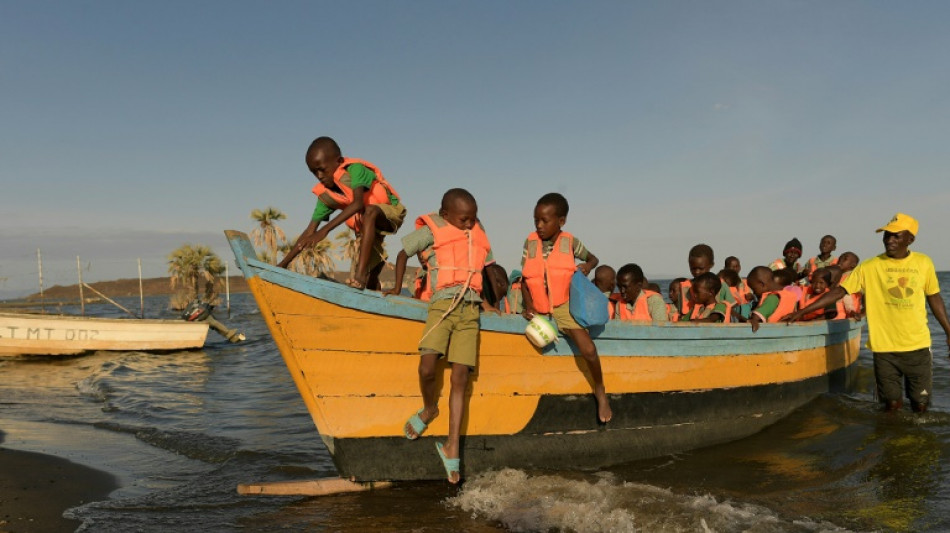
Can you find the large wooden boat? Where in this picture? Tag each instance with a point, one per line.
(673, 387)
(37, 334)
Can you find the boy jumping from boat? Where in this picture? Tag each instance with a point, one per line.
(368, 204)
(460, 252)
(548, 261)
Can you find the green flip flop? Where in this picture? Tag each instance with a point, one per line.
(417, 425)
(451, 465)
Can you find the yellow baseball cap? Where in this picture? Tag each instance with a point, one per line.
(901, 222)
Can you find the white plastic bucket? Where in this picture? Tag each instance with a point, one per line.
(540, 331)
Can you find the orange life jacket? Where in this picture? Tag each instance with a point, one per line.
(740, 291)
(612, 300)
(459, 254)
(423, 289)
(515, 288)
(549, 279)
(737, 294)
(787, 302)
(641, 311)
(673, 314)
(703, 311)
(685, 304)
(811, 266)
(377, 194)
(809, 297)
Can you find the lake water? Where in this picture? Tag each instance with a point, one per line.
(182, 430)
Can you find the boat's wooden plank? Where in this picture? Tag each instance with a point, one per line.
(314, 487)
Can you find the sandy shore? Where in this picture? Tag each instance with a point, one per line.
(35, 489)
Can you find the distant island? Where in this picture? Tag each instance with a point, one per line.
(126, 287)
(163, 287)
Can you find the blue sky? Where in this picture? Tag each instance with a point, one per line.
(130, 128)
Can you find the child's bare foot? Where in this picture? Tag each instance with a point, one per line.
(604, 413)
(358, 281)
(417, 423)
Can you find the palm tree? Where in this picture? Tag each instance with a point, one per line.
(348, 248)
(189, 265)
(267, 234)
(315, 260)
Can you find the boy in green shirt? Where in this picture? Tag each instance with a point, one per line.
(367, 202)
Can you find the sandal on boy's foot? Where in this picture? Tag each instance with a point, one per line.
(451, 465)
(417, 425)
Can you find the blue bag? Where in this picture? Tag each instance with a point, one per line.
(589, 306)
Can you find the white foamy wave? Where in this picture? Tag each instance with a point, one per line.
(91, 387)
(603, 504)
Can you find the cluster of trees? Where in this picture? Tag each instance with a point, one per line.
(195, 269)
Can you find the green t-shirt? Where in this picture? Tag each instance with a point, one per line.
(357, 175)
(768, 306)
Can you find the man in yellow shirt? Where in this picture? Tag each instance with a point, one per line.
(896, 284)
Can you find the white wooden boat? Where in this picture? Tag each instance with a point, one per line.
(36, 334)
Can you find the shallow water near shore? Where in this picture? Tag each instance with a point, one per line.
(182, 430)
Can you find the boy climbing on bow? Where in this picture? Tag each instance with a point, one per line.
(368, 204)
(547, 264)
(459, 254)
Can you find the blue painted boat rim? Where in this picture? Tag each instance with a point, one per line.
(614, 339)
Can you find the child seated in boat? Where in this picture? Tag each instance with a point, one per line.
(731, 279)
(733, 264)
(460, 252)
(511, 304)
(701, 260)
(368, 204)
(637, 303)
(790, 256)
(824, 258)
(706, 308)
(820, 282)
(675, 295)
(852, 302)
(775, 301)
(787, 278)
(548, 262)
(605, 279)
(496, 289)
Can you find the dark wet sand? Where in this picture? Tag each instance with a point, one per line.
(35, 489)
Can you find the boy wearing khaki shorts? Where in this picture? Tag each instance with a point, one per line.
(458, 253)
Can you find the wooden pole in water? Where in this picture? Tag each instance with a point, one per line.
(227, 287)
(110, 300)
(314, 487)
(39, 263)
(82, 300)
(141, 293)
